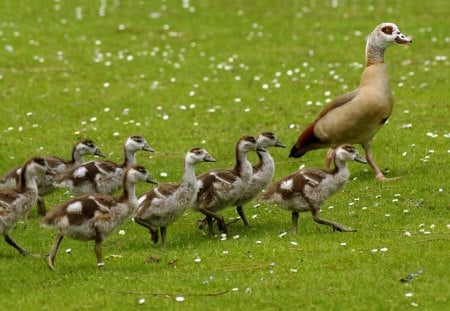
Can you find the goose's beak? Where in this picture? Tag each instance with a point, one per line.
(402, 39)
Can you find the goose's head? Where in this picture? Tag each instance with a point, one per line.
(137, 173)
(387, 34)
(38, 166)
(267, 139)
(247, 144)
(87, 146)
(136, 142)
(197, 155)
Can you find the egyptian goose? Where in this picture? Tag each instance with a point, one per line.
(15, 203)
(45, 182)
(263, 172)
(94, 216)
(357, 116)
(221, 188)
(306, 189)
(162, 206)
(101, 176)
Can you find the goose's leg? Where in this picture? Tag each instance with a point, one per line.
(50, 260)
(294, 222)
(329, 158)
(368, 150)
(240, 211)
(336, 226)
(11, 242)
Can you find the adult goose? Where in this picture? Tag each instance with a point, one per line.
(356, 117)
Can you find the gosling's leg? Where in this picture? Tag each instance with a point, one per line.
(240, 211)
(50, 259)
(163, 235)
(98, 252)
(294, 222)
(152, 229)
(220, 221)
(11, 242)
(336, 226)
(41, 209)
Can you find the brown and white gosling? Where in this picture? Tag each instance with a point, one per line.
(45, 182)
(101, 176)
(355, 117)
(15, 203)
(306, 189)
(219, 189)
(162, 206)
(263, 172)
(95, 216)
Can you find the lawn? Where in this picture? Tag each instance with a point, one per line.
(204, 73)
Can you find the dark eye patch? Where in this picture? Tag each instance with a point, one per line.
(40, 161)
(138, 139)
(387, 30)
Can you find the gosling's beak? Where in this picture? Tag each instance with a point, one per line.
(148, 148)
(151, 180)
(260, 149)
(360, 159)
(280, 144)
(99, 153)
(51, 172)
(209, 158)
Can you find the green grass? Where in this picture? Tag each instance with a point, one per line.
(63, 78)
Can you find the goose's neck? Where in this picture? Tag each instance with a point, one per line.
(28, 181)
(189, 177)
(242, 164)
(374, 53)
(129, 192)
(265, 160)
(77, 157)
(341, 168)
(129, 158)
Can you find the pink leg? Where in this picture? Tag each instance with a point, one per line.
(329, 158)
(368, 149)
